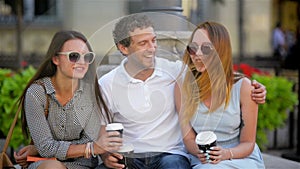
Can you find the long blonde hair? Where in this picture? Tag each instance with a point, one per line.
(216, 81)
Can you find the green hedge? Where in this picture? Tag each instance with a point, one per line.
(12, 84)
(280, 100)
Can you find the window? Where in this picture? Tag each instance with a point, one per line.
(32, 11)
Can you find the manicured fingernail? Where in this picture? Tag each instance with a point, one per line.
(207, 157)
(212, 148)
(201, 151)
(208, 151)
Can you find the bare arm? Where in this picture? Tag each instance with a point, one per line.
(259, 92)
(107, 142)
(188, 133)
(249, 110)
(249, 113)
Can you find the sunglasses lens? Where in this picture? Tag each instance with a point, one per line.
(89, 57)
(192, 48)
(74, 57)
(206, 48)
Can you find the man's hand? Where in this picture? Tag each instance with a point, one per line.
(259, 92)
(110, 160)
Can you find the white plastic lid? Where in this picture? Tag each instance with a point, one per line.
(205, 137)
(114, 126)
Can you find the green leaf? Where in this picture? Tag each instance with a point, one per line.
(273, 114)
(12, 85)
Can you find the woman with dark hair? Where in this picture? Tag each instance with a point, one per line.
(215, 99)
(63, 110)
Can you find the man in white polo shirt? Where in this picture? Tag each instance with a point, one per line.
(140, 95)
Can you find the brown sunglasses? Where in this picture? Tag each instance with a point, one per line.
(206, 48)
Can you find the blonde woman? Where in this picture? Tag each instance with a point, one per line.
(211, 98)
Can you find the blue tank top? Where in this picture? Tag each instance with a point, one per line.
(224, 123)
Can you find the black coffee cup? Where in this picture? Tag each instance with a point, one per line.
(127, 151)
(205, 140)
(115, 127)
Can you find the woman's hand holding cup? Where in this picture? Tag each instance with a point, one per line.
(209, 151)
(110, 140)
(115, 133)
(217, 154)
(206, 142)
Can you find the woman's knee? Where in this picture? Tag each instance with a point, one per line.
(51, 164)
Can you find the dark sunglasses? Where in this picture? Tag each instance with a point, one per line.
(206, 48)
(75, 56)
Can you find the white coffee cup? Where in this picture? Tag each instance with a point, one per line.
(115, 127)
(127, 151)
(206, 140)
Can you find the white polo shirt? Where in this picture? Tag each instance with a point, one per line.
(146, 108)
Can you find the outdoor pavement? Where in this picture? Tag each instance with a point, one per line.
(275, 162)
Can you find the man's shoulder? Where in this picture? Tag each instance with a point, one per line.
(108, 76)
(166, 62)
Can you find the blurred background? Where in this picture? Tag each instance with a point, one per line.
(27, 26)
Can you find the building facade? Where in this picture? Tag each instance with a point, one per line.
(27, 33)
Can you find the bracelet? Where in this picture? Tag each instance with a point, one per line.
(231, 154)
(88, 150)
(92, 149)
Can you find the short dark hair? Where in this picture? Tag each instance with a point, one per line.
(129, 24)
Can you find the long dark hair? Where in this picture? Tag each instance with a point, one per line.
(48, 69)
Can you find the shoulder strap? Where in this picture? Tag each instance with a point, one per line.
(237, 76)
(46, 110)
(8, 137)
